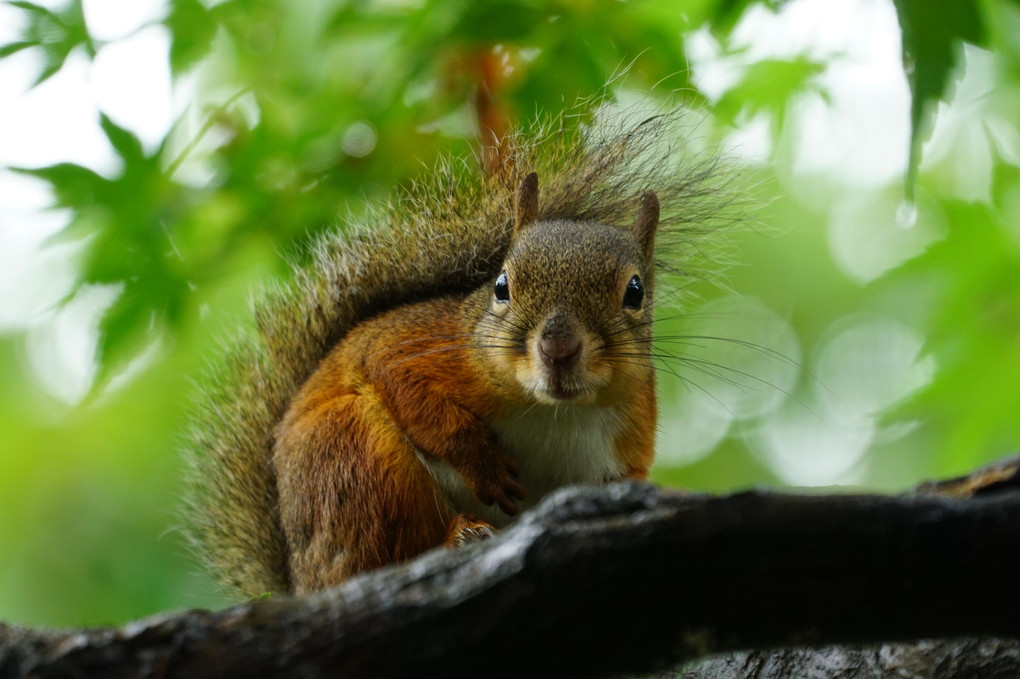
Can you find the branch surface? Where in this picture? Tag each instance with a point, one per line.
(600, 581)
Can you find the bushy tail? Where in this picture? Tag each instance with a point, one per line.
(448, 233)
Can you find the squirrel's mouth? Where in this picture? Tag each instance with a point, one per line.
(561, 393)
(555, 389)
(557, 370)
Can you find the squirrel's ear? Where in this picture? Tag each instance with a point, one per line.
(647, 222)
(526, 209)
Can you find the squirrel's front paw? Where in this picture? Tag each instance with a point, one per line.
(497, 484)
(466, 529)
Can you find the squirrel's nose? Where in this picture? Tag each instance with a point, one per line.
(560, 352)
(560, 344)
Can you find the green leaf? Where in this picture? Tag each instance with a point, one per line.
(192, 28)
(76, 187)
(31, 7)
(14, 47)
(932, 34)
(123, 141)
(56, 34)
(496, 21)
(728, 13)
(124, 330)
(972, 333)
(770, 86)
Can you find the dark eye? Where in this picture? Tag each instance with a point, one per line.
(502, 289)
(634, 294)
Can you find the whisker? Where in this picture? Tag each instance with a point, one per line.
(687, 382)
(772, 353)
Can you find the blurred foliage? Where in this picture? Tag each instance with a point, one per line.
(55, 34)
(302, 111)
(770, 86)
(933, 33)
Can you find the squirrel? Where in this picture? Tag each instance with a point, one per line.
(473, 405)
(429, 376)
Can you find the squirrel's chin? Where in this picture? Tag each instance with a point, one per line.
(549, 398)
(552, 393)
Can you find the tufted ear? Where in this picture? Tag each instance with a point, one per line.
(526, 209)
(646, 223)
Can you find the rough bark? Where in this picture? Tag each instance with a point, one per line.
(954, 659)
(622, 579)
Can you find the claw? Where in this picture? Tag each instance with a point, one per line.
(465, 529)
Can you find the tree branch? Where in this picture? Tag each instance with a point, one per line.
(952, 659)
(598, 581)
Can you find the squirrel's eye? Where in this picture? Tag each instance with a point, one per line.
(502, 289)
(634, 294)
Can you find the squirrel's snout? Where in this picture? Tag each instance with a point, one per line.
(560, 343)
(560, 352)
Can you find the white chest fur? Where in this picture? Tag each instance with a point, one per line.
(554, 445)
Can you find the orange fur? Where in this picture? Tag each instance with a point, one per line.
(391, 440)
(354, 493)
(635, 446)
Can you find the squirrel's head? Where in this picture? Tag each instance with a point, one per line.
(569, 316)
